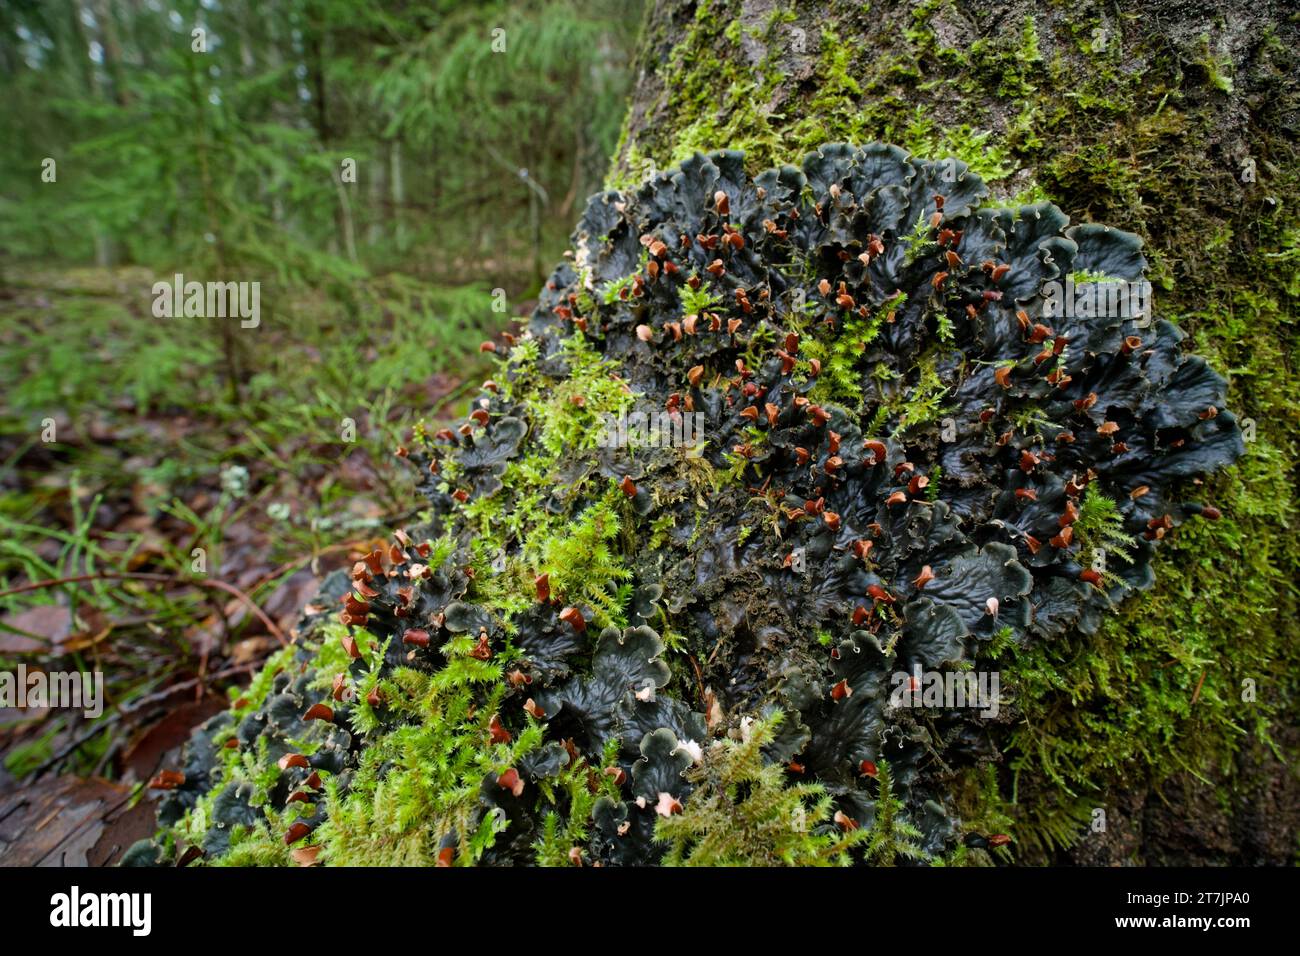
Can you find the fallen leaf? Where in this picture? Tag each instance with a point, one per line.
(43, 628)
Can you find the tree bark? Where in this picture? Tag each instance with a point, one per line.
(1172, 120)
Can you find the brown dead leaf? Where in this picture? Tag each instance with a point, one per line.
(156, 747)
(252, 649)
(284, 604)
(44, 628)
(93, 625)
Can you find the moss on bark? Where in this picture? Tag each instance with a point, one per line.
(1172, 122)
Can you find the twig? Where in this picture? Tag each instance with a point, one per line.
(270, 625)
(159, 695)
(127, 709)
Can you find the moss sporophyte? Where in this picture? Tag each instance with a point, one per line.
(904, 459)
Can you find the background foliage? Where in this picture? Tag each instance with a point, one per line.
(476, 131)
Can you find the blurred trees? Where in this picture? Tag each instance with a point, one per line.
(308, 140)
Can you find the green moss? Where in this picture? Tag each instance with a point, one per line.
(573, 795)
(1216, 66)
(255, 693)
(743, 812)
(977, 796)
(611, 292)
(837, 92)
(717, 98)
(585, 558)
(573, 408)
(840, 353)
(1100, 533)
(695, 301)
(987, 157)
(1160, 689)
(419, 783)
(892, 837)
(1114, 123)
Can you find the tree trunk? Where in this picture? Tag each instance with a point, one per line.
(1172, 120)
(397, 189)
(111, 49)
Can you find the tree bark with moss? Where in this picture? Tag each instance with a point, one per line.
(1166, 737)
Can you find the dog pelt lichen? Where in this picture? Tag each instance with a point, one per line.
(907, 457)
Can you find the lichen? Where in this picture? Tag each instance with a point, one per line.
(447, 712)
(1143, 125)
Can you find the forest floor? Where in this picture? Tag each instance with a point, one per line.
(206, 519)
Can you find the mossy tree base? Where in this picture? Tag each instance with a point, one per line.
(461, 710)
(1174, 121)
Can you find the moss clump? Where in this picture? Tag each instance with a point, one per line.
(744, 813)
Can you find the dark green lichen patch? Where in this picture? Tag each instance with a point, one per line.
(1178, 124)
(906, 462)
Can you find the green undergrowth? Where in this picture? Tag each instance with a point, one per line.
(124, 449)
(324, 377)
